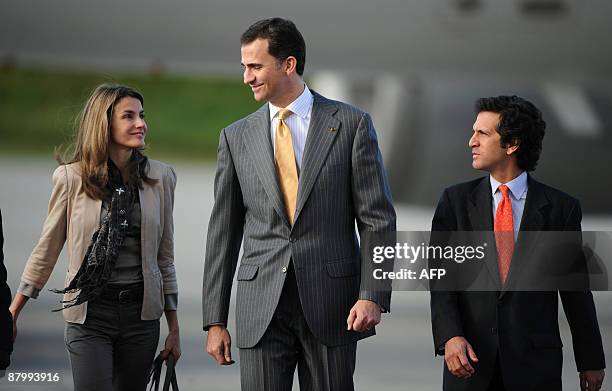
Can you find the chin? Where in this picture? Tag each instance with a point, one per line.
(137, 145)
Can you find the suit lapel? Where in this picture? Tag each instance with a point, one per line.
(481, 218)
(259, 146)
(321, 134)
(532, 220)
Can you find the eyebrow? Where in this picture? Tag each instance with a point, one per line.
(132, 112)
(251, 64)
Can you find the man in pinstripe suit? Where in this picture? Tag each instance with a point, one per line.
(299, 301)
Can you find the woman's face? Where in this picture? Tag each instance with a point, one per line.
(128, 127)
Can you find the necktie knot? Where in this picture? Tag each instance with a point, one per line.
(284, 113)
(504, 190)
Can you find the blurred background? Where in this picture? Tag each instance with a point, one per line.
(416, 66)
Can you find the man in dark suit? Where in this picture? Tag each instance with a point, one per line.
(6, 321)
(509, 340)
(292, 179)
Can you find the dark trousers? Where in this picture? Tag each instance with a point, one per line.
(287, 343)
(114, 348)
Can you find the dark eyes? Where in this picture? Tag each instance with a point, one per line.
(254, 67)
(130, 116)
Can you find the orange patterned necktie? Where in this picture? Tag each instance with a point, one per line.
(504, 233)
(285, 164)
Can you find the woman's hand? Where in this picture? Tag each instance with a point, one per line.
(173, 343)
(14, 316)
(15, 308)
(172, 346)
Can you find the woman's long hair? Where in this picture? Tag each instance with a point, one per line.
(93, 135)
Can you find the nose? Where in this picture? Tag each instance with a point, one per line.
(140, 123)
(247, 76)
(473, 142)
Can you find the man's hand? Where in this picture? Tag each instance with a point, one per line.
(219, 344)
(591, 380)
(364, 315)
(456, 352)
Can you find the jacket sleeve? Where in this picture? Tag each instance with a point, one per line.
(225, 230)
(165, 252)
(44, 256)
(581, 315)
(445, 316)
(371, 198)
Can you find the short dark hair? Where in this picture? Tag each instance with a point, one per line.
(284, 40)
(520, 123)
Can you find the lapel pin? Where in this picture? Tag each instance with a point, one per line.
(332, 129)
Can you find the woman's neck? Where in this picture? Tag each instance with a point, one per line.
(121, 157)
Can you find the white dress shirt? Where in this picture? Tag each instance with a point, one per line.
(298, 123)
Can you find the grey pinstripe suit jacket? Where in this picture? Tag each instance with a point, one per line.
(342, 181)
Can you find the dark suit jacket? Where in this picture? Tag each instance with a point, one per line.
(522, 327)
(342, 181)
(6, 321)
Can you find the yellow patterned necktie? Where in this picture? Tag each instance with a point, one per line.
(285, 164)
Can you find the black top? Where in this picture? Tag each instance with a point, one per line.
(128, 267)
(6, 321)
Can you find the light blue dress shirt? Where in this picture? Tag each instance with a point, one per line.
(517, 194)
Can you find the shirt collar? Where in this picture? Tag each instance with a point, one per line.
(300, 107)
(517, 186)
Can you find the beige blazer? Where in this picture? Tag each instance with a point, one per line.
(73, 217)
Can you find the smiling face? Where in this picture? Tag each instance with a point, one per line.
(485, 143)
(269, 80)
(128, 127)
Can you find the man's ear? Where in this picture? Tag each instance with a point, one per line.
(512, 147)
(290, 65)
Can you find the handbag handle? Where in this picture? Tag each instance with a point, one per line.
(170, 381)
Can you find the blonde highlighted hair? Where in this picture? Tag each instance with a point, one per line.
(93, 134)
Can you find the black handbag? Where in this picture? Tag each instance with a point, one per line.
(155, 374)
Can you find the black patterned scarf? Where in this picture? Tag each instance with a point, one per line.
(106, 242)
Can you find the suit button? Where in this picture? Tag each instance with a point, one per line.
(494, 330)
(292, 240)
(284, 269)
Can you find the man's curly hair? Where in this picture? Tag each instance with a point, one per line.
(520, 123)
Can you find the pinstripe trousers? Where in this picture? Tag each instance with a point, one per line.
(287, 343)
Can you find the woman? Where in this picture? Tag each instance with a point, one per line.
(6, 340)
(113, 207)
